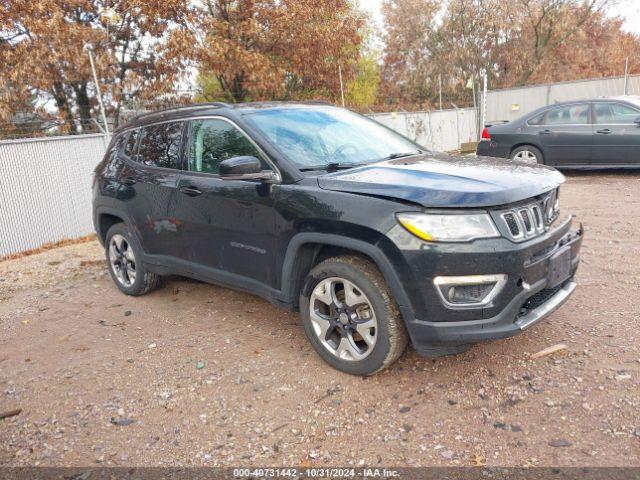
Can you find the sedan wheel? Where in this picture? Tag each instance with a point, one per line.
(526, 156)
(343, 319)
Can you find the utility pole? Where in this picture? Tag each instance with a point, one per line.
(341, 86)
(440, 89)
(89, 50)
(626, 75)
(475, 104)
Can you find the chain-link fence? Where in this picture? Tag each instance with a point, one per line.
(45, 190)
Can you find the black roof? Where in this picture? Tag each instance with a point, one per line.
(196, 109)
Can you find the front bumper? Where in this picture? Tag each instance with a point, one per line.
(527, 298)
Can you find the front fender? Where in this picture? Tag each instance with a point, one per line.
(292, 256)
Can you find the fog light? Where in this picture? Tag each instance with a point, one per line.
(469, 291)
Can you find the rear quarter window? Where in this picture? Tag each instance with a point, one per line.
(537, 120)
(108, 166)
(132, 142)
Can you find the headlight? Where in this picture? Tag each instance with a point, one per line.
(449, 228)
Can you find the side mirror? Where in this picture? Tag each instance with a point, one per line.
(244, 168)
(637, 121)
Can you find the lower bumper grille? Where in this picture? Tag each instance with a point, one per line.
(538, 299)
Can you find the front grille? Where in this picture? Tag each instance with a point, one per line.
(530, 220)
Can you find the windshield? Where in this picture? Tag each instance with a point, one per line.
(316, 137)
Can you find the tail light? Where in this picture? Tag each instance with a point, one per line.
(485, 134)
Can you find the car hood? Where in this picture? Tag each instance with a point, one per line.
(441, 180)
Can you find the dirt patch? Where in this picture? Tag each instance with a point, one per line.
(49, 246)
(195, 374)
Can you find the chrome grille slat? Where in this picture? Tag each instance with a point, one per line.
(537, 216)
(512, 224)
(528, 221)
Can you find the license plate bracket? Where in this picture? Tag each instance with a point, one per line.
(559, 267)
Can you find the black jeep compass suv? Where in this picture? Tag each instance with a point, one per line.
(374, 240)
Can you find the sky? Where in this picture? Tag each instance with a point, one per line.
(628, 9)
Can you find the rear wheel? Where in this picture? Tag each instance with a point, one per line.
(527, 154)
(124, 259)
(350, 317)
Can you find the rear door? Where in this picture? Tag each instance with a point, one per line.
(616, 136)
(227, 225)
(565, 134)
(152, 175)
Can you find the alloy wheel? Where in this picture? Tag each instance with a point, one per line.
(526, 156)
(343, 319)
(122, 260)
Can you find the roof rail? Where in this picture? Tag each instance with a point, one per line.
(183, 107)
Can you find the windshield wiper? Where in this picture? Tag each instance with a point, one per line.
(332, 166)
(393, 156)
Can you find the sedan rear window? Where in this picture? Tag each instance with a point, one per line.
(568, 115)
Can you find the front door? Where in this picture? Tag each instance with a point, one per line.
(227, 225)
(565, 135)
(616, 136)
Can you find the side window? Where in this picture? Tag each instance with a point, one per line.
(569, 115)
(160, 145)
(130, 146)
(213, 141)
(613, 113)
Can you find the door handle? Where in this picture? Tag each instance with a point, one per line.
(604, 131)
(190, 191)
(545, 132)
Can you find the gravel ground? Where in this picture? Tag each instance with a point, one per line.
(195, 374)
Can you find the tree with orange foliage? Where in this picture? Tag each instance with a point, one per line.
(271, 49)
(42, 52)
(517, 42)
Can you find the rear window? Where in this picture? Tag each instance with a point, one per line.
(160, 145)
(568, 115)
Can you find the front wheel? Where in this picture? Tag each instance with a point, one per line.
(527, 154)
(350, 316)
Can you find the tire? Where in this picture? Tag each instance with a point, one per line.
(120, 247)
(380, 337)
(528, 153)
